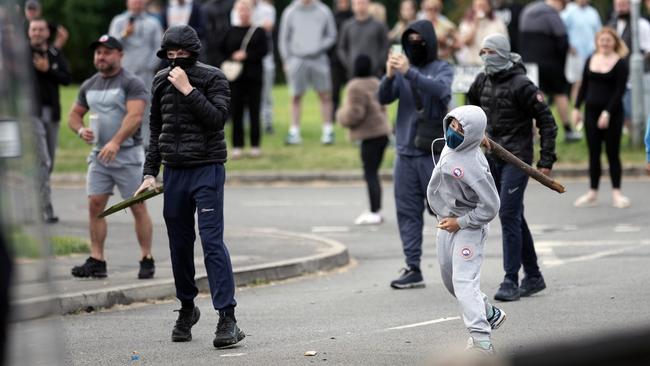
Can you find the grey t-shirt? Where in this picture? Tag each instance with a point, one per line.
(105, 99)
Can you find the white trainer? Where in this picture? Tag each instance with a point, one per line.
(369, 218)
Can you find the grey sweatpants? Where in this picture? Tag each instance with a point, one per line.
(460, 255)
(47, 132)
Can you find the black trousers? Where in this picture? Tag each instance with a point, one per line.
(372, 153)
(339, 78)
(245, 94)
(611, 136)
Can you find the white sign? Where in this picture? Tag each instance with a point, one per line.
(9, 139)
(464, 76)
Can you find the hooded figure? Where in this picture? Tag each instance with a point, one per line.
(180, 37)
(430, 79)
(463, 195)
(461, 184)
(502, 58)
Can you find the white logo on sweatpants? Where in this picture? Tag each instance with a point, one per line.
(512, 190)
(207, 210)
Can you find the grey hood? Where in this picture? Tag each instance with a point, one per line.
(461, 185)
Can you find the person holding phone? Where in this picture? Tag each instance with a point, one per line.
(422, 84)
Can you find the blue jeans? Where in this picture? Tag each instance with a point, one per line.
(412, 175)
(198, 190)
(518, 246)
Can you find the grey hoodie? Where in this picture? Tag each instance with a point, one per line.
(461, 184)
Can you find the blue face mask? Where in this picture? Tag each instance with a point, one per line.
(453, 138)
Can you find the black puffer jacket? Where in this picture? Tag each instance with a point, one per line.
(187, 131)
(511, 101)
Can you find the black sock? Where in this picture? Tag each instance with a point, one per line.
(187, 305)
(567, 127)
(228, 312)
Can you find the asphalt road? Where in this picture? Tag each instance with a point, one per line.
(595, 262)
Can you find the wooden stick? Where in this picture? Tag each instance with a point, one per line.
(508, 157)
(132, 201)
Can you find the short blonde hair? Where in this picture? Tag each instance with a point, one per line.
(377, 11)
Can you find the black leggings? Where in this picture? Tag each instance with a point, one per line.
(372, 153)
(245, 94)
(612, 138)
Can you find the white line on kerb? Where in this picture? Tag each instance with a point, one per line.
(441, 320)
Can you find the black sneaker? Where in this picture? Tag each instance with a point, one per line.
(531, 285)
(91, 268)
(508, 291)
(186, 319)
(411, 278)
(228, 333)
(147, 268)
(497, 318)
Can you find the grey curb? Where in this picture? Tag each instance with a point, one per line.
(257, 177)
(336, 255)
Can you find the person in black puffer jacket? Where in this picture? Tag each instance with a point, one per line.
(190, 103)
(511, 102)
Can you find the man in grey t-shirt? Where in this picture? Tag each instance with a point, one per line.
(115, 100)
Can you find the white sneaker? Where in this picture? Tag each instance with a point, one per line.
(236, 153)
(369, 218)
(480, 348)
(620, 202)
(327, 138)
(586, 200)
(293, 138)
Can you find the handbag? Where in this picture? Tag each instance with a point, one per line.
(232, 69)
(426, 130)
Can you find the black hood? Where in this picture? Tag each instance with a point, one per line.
(425, 29)
(179, 36)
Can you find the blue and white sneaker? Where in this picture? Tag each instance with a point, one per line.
(411, 278)
(497, 318)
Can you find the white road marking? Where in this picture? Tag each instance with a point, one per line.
(330, 229)
(273, 204)
(441, 320)
(625, 228)
(549, 259)
(232, 355)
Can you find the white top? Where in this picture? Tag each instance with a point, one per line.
(178, 14)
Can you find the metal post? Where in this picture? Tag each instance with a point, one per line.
(636, 78)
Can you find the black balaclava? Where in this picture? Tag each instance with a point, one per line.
(421, 52)
(362, 66)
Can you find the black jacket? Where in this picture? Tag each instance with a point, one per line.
(187, 131)
(511, 101)
(46, 84)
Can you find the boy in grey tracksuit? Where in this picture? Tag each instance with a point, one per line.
(464, 198)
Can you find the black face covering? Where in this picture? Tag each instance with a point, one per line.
(182, 62)
(419, 53)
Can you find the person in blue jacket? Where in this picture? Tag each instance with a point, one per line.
(422, 83)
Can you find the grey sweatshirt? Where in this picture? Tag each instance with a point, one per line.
(368, 37)
(306, 31)
(461, 184)
(140, 47)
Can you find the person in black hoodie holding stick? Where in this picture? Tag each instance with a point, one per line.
(190, 103)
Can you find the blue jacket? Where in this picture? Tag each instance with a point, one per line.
(432, 81)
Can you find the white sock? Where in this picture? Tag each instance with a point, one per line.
(327, 128)
(293, 130)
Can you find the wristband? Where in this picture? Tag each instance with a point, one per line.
(80, 131)
(148, 176)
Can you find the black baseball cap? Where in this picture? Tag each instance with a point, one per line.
(107, 41)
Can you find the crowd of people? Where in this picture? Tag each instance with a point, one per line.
(170, 76)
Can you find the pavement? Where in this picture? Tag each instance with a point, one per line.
(259, 255)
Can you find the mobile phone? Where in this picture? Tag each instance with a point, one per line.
(131, 19)
(396, 49)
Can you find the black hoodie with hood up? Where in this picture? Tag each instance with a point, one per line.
(187, 130)
(432, 80)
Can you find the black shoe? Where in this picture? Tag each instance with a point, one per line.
(508, 291)
(531, 285)
(51, 219)
(147, 268)
(186, 319)
(92, 268)
(228, 333)
(411, 278)
(497, 318)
